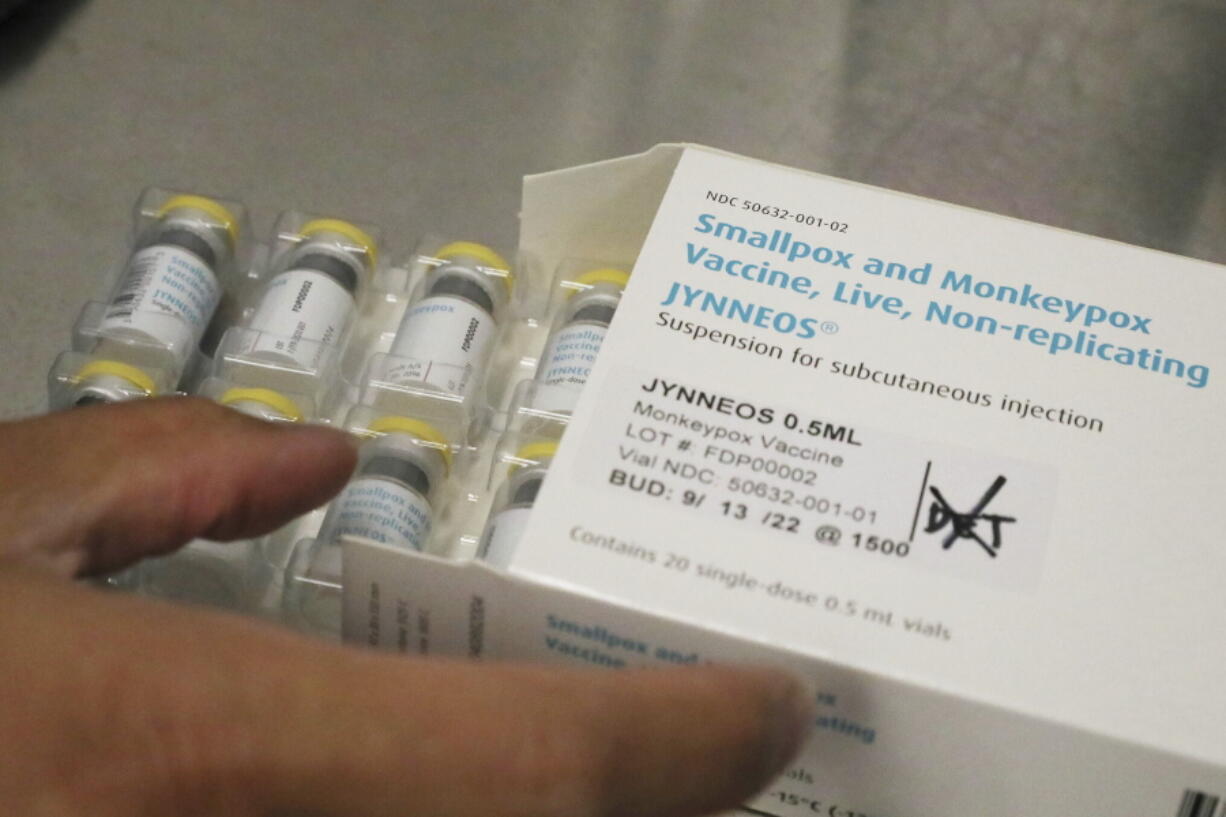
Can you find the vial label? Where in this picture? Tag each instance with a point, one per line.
(299, 313)
(444, 342)
(572, 351)
(506, 529)
(167, 294)
(383, 511)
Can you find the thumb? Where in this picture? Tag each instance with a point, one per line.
(95, 488)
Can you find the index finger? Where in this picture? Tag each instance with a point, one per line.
(95, 488)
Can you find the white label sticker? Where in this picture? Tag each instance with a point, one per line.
(819, 483)
(505, 531)
(569, 357)
(383, 511)
(167, 294)
(443, 343)
(299, 312)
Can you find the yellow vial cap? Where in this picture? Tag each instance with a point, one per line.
(350, 231)
(123, 371)
(486, 255)
(604, 275)
(205, 205)
(273, 399)
(416, 428)
(536, 451)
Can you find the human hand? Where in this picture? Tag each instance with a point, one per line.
(116, 705)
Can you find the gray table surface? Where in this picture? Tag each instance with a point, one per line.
(1104, 116)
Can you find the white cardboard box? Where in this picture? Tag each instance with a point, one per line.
(1008, 610)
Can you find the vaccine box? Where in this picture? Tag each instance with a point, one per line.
(963, 472)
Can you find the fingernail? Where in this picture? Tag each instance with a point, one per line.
(790, 721)
(355, 440)
(319, 428)
(313, 434)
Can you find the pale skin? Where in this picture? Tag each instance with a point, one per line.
(115, 705)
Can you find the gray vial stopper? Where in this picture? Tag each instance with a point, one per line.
(401, 470)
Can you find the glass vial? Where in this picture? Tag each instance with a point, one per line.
(572, 347)
(166, 296)
(508, 522)
(446, 336)
(390, 498)
(312, 301)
